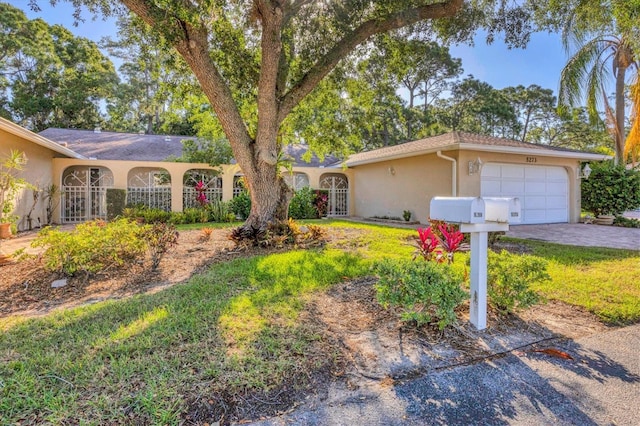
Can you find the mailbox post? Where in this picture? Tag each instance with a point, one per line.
(477, 216)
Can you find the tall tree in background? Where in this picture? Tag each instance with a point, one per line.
(153, 75)
(275, 52)
(531, 104)
(423, 67)
(48, 76)
(476, 107)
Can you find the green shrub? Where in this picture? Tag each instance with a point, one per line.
(509, 277)
(116, 200)
(241, 205)
(425, 292)
(610, 190)
(92, 246)
(626, 222)
(220, 211)
(195, 215)
(146, 214)
(302, 204)
(160, 237)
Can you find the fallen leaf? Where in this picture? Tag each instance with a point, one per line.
(554, 352)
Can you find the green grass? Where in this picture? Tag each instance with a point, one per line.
(234, 329)
(604, 281)
(237, 328)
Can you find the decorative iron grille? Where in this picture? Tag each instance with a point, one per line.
(212, 183)
(84, 194)
(150, 188)
(338, 200)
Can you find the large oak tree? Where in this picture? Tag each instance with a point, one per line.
(256, 60)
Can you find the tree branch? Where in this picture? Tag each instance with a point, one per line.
(397, 20)
(192, 43)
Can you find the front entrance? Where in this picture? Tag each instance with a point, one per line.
(337, 185)
(84, 193)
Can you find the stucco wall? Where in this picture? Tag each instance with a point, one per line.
(38, 171)
(390, 187)
(121, 169)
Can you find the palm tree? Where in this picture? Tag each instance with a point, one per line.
(587, 71)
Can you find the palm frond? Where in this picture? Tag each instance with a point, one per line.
(632, 144)
(574, 77)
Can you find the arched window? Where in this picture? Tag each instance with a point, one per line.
(296, 180)
(150, 187)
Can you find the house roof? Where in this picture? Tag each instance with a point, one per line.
(465, 141)
(23, 133)
(117, 146)
(142, 147)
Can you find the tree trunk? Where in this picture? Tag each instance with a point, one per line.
(619, 122)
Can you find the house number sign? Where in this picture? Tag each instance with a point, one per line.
(532, 160)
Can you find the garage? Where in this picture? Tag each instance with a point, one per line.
(543, 190)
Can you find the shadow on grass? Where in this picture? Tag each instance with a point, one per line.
(145, 359)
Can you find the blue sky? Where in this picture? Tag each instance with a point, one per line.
(540, 63)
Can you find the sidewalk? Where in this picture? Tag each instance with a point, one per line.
(600, 386)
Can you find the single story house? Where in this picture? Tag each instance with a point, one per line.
(381, 182)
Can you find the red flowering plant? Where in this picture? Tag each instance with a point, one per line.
(201, 197)
(428, 244)
(451, 241)
(439, 244)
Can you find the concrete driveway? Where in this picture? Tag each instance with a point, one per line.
(578, 234)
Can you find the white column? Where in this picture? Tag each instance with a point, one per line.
(478, 308)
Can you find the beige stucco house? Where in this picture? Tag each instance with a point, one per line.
(382, 182)
(546, 179)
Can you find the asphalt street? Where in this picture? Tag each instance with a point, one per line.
(599, 386)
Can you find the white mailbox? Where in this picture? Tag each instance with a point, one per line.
(503, 210)
(457, 209)
(477, 216)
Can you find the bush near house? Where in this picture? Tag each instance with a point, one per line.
(610, 190)
(92, 246)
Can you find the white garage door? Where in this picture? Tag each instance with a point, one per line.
(543, 190)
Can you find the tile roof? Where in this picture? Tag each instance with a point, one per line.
(143, 147)
(453, 140)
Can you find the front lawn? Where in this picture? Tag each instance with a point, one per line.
(604, 281)
(237, 334)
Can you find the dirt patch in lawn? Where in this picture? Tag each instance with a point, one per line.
(360, 343)
(25, 287)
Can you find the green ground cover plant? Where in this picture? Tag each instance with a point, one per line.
(425, 292)
(510, 278)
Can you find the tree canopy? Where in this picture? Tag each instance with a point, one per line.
(48, 76)
(257, 61)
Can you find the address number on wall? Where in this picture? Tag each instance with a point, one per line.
(532, 160)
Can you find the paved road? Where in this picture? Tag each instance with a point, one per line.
(601, 386)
